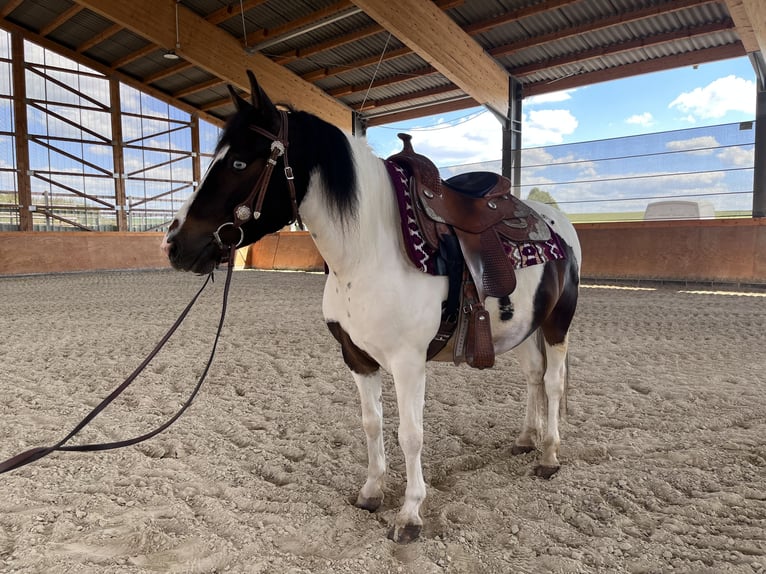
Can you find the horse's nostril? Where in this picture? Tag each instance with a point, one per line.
(173, 226)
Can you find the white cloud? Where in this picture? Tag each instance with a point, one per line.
(721, 96)
(553, 97)
(699, 144)
(737, 156)
(545, 127)
(476, 139)
(645, 119)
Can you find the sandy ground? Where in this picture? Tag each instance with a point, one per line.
(664, 449)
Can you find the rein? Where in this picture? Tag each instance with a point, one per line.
(34, 454)
(251, 207)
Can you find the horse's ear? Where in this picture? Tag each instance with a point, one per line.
(260, 100)
(239, 102)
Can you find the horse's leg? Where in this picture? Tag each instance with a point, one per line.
(410, 382)
(371, 495)
(546, 387)
(532, 363)
(555, 389)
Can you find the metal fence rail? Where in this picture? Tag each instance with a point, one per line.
(617, 179)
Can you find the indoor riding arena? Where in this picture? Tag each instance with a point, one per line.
(111, 113)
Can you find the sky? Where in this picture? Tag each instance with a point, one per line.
(708, 94)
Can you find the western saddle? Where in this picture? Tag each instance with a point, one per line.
(467, 219)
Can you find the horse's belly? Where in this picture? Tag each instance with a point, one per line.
(385, 314)
(513, 323)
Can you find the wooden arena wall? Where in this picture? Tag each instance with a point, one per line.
(727, 251)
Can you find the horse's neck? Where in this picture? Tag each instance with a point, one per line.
(368, 238)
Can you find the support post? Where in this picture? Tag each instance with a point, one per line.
(511, 160)
(759, 167)
(24, 180)
(358, 125)
(196, 157)
(118, 157)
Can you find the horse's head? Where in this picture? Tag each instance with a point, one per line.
(238, 201)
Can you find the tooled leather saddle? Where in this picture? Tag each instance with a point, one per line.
(470, 220)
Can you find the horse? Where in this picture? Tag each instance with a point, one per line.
(382, 310)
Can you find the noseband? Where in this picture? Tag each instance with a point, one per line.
(253, 204)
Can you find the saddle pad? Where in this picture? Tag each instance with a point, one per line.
(419, 252)
(521, 253)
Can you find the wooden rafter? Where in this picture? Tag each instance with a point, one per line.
(167, 72)
(355, 65)
(437, 39)
(750, 18)
(197, 88)
(266, 33)
(9, 7)
(430, 92)
(649, 66)
(421, 111)
(98, 38)
(150, 48)
(291, 55)
(667, 7)
(231, 10)
(20, 32)
(387, 81)
(647, 42)
(156, 21)
(71, 12)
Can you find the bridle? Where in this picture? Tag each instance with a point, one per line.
(251, 207)
(253, 204)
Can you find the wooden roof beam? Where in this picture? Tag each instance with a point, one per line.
(156, 21)
(107, 71)
(9, 7)
(167, 72)
(98, 38)
(197, 88)
(667, 7)
(292, 55)
(232, 10)
(355, 65)
(750, 18)
(471, 29)
(436, 38)
(387, 81)
(421, 111)
(613, 49)
(150, 48)
(294, 25)
(60, 19)
(428, 93)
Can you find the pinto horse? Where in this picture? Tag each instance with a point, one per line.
(382, 310)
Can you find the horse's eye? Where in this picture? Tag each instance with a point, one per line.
(238, 165)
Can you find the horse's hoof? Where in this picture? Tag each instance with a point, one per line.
(546, 471)
(405, 534)
(371, 504)
(517, 449)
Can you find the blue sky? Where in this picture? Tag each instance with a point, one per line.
(709, 94)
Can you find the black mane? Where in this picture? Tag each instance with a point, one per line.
(314, 145)
(318, 145)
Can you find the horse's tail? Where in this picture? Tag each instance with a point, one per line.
(542, 397)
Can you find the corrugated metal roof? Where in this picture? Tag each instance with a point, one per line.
(548, 48)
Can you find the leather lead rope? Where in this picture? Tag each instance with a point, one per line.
(37, 453)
